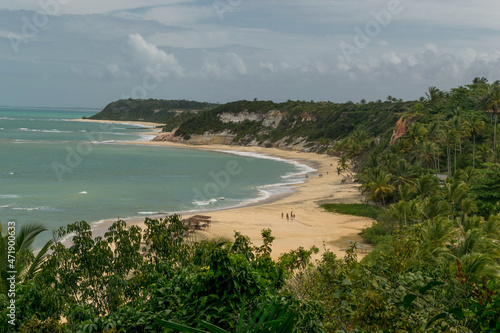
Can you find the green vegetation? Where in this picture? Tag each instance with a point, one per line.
(134, 281)
(364, 210)
(318, 124)
(169, 112)
(435, 265)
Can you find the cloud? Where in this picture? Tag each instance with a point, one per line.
(225, 65)
(83, 7)
(271, 49)
(150, 55)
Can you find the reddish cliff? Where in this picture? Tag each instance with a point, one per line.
(401, 128)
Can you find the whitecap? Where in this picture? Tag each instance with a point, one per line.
(82, 192)
(9, 196)
(30, 209)
(204, 203)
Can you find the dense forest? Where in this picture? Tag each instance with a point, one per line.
(431, 174)
(171, 112)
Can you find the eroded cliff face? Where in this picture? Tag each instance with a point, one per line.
(400, 129)
(269, 119)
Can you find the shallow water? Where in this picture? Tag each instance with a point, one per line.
(56, 171)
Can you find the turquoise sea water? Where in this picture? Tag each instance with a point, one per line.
(56, 171)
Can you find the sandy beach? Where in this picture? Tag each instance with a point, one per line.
(312, 225)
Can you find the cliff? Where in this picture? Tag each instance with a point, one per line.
(299, 125)
(305, 126)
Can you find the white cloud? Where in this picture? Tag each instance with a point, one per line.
(81, 7)
(225, 65)
(263, 48)
(150, 55)
(179, 15)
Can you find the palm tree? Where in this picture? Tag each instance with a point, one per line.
(476, 125)
(430, 209)
(456, 191)
(491, 227)
(480, 80)
(426, 186)
(449, 136)
(461, 128)
(493, 106)
(436, 136)
(438, 233)
(434, 94)
(378, 186)
(405, 192)
(403, 172)
(26, 263)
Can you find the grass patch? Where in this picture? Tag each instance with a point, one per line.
(364, 210)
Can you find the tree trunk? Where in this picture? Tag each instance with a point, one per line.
(474, 151)
(448, 160)
(404, 210)
(495, 138)
(455, 169)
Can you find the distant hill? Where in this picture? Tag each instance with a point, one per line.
(299, 124)
(170, 112)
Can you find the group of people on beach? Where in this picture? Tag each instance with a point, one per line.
(288, 217)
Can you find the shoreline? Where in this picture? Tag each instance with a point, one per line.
(312, 225)
(142, 123)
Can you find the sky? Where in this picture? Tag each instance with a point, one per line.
(88, 53)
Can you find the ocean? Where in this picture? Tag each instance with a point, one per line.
(56, 171)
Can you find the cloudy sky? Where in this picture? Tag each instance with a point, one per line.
(88, 53)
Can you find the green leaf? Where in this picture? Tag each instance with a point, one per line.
(442, 315)
(242, 311)
(180, 328)
(429, 286)
(457, 312)
(408, 299)
(346, 282)
(212, 328)
(487, 313)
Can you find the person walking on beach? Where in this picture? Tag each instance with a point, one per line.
(281, 214)
(287, 216)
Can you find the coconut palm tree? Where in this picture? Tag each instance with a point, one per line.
(493, 107)
(26, 263)
(450, 138)
(461, 128)
(433, 94)
(476, 126)
(426, 186)
(436, 136)
(430, 209)
(456, 191)
(378, 186)
(405, 192)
